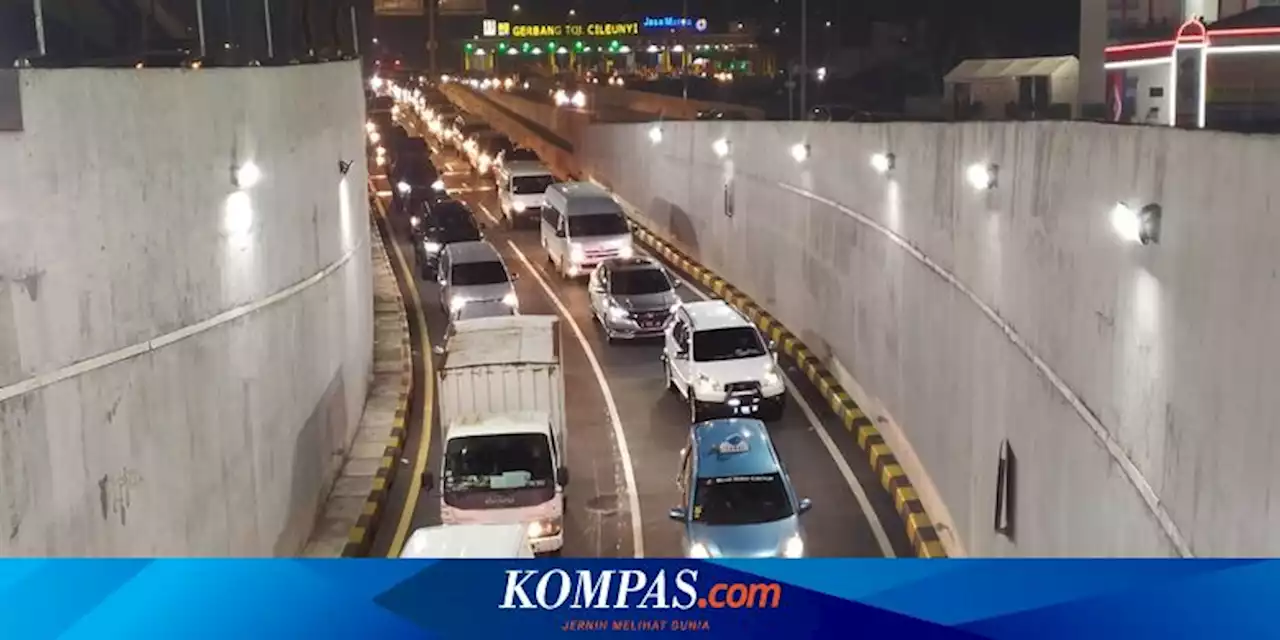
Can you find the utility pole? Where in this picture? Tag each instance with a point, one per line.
(38, 8)
(204, 47)
(432, 44)
(684, 73)
(804, 59)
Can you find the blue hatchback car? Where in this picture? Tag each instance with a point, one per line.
(737, 500)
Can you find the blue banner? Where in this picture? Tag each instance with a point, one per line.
(1041, 599)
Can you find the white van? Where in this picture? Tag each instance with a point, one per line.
(582, 226)
(522, 187)
(486, 541)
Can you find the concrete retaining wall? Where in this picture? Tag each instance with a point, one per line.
(180, 368)
(670, 107)
(1134, 383)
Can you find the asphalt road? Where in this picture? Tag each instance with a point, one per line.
(852, 515)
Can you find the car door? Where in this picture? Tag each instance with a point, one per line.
(684, 483)
(444, 275)
(679, 354)
(599, 291)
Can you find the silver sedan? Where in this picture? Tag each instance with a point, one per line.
(632, 298)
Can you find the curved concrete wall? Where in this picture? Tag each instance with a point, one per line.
(1135, 384)
(180, 368)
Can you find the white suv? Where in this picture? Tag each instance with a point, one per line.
(717, 360)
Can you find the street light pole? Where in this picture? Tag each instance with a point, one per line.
(804, 58)
(38, 9)
(431, 39)
(684, 73)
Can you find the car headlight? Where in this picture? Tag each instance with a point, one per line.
(561, 98)
(438, 185)
(793, 548)
(431, 247)
(576, 254)
(404, 188)
(579, 99)
(771, 377)
(626, 251)
(485, 159)
(511, 300)
(545, 528)
(457, 303)
(618, 313)
(518, 206)
(375, 137)
(699, 550)
(415, 221)
(704, 385)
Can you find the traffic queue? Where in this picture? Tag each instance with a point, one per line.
(737, 499)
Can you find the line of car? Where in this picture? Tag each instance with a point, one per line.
(737, 499)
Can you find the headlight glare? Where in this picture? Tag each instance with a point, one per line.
(510, 300)
(699, 550)
(793, 548)
(457, 303)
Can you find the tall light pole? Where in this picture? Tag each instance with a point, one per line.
(804, 59)
(684, 73)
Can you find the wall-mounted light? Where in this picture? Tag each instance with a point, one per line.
(375, 137)
(1140, 226)
(982, 176)
(624, 49)
(238, 214)
(883, 162)
(653, 48)
(246, 175)
(721, 147)
(800, 151)
(677, 49)
(655, 134)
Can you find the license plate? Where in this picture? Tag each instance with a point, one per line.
(649, 324)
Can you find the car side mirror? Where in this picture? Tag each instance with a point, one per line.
(773, 346)
(562, 476)
(805, 505)
(438, 349)
(677, 514)
(428, 481)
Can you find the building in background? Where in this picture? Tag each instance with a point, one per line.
(1191, 63)
(1012, 88)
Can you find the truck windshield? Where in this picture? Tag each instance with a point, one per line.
(727, 344)
(598, 224)
(527, 185)
(498, 463)
(735, 500)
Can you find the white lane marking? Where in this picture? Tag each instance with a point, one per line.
(487, 212)
(624, 452)
(860, 494)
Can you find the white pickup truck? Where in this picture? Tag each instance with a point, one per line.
(500, 395)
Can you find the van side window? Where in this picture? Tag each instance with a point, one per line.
(681, 333)
(552, 216)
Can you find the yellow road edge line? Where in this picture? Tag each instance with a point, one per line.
(428, 401)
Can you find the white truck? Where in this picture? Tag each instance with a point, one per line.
(500, 397)
(493, 541)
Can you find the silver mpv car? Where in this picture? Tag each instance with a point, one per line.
(632, 298)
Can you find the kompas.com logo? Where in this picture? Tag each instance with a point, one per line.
(631, 589)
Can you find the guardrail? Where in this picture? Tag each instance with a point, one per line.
(175, 33)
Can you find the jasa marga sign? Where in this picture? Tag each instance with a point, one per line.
(606, 29)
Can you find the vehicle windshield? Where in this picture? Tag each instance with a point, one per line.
(598, 224)
(455, 225)
(526, 185)
(736, 500)
(727, 344)
(639, 282)
(498, 463)
(478, 273)
(516, 155)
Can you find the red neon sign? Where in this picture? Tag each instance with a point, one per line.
(1194, 31)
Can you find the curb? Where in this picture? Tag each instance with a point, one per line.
(360, 538)
(919, 527)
